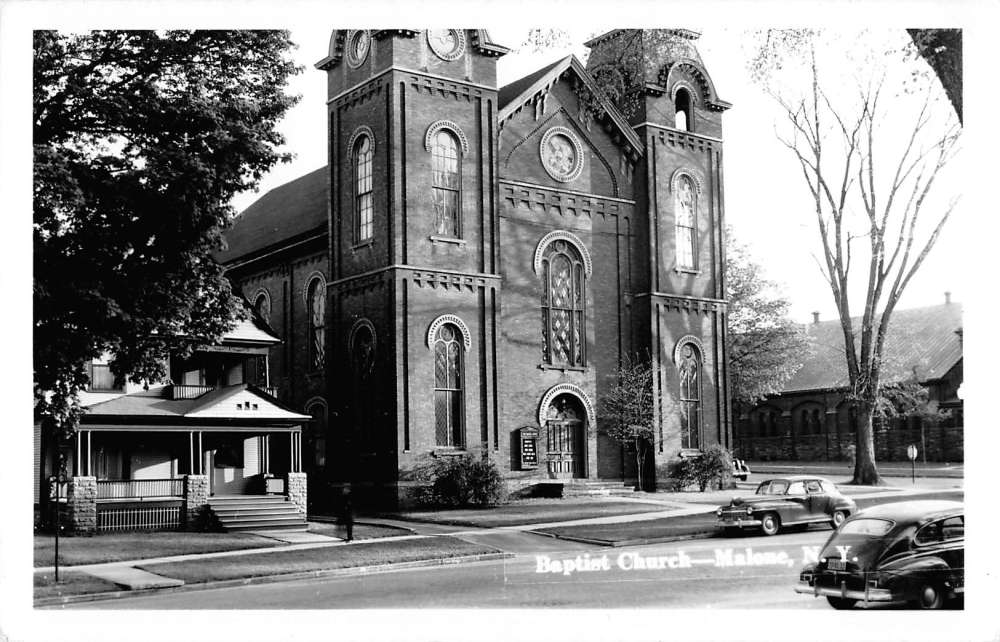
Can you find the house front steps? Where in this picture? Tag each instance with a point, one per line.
(257, 512)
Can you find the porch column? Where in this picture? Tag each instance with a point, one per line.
(77, 461)
(267, 454)
(201, 456)
(191, 470)
(291, 452)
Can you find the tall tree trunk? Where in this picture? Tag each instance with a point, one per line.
(865, 472)
(639, 457)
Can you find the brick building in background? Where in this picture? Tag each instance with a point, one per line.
(813, 419)
(474, 262)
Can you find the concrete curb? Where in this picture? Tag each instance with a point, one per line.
(271, 579)
(631, 542)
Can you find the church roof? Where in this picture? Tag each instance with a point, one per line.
(285, 213)
(515, 95)
(921, 343)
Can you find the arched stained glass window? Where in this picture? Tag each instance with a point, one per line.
(316, 435)
(317, 323)
(446, 165)
(563, 305)
(686, 201)
(448, 386)
(364, 209)
(690, 378)
(262, 305)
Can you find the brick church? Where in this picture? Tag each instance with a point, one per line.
(474, 262)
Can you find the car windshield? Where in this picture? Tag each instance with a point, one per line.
(869, 527)
(773, 487)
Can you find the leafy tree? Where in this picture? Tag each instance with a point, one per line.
(626, 408)
(764, 347)
(870, 191)
(942, 49)
(141, 138)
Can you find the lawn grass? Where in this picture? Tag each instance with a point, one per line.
(70, 583)
(611, 534)
(317, 559)
(118, 547)
(530, 511)
(361, 530)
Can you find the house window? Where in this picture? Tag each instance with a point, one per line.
(446, 163)
(101, 377)
(448, 376)
(364, 211)
(317, 312)
(684, 227)
(563, 305)
(682, 111)
(690, 397)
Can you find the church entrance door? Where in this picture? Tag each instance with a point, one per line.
(564, 438)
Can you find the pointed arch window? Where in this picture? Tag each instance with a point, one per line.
(364, 208)
(563, 305)
(316, 434)
(449, 376)
(689, 369)
(446, 166)
(316, 300)
(685, 226)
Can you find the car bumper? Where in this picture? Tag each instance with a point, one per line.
(871, 595)
(738, 523)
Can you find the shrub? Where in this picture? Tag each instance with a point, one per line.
(466, 480)
(712, 465)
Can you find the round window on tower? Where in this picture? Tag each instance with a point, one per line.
(358, 44)
(447, 44)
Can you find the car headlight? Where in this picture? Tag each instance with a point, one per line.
(749, 510)
(718, 511)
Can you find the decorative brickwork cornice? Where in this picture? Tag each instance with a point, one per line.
(544, 200)
(676, 138)
(447, 281)
(443, 88)
(688, 304)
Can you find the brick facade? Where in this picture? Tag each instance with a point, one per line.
(613, 209)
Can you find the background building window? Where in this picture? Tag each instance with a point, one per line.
(689, 370)
(448, 376)
(363, 206)
(317, 323)
(563, 305)
(446, 169)
(686, 206)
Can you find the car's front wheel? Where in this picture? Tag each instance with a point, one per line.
(837, 518)
(841, 603)
(930, 597)
(770, 524)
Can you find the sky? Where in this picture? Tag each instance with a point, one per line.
(766, 200)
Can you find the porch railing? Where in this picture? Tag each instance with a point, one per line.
(139, 488)
(178, 391)
(139, 518)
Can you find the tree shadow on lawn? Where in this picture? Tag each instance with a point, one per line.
(119, 547)
(531, 511)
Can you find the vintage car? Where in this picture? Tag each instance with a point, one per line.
(787, 501)
(740, 470)
(902, 552)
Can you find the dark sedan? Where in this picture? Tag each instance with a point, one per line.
(903, 552)
(787, 501)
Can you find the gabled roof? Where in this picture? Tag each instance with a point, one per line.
(252, 330)
(514, 96)
(220, 403)
(287, 212)
(921, 343)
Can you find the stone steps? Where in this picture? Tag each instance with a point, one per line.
(257, 512)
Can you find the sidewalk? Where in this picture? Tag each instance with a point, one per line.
(841, 468)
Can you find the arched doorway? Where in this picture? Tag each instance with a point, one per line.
(565, 423)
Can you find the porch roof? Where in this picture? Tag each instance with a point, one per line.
(234, 404)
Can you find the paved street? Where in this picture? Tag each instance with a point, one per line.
(516, 583)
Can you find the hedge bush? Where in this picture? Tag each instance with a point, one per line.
(466, 481)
